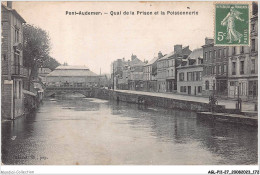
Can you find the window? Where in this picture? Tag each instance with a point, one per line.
(215, 54)
(16, 64)
(16, 35)
(211, 69)
(201, 61)
(181, 76)
(183, 89)
(207, 85)
(219, 69)
(189, 76)
(225, 52)
(205, 56)
(242, 49)
(197, 76)
(208, 70)
(200, 76)
(233, 68)
(242, 65)
(233, 83)
(20, 89)
(193, 78)
(252, 86)
(234, 51)
(199, 89)
(215, 70)
(210, 54)
(15, 89)
(252, 66)
(224, 68)
(219, 53)
(253, 45)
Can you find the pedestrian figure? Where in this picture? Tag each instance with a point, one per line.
(229, 21)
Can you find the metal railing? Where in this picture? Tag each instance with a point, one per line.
(68, 88)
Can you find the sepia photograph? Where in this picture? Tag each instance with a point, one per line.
(129, 83)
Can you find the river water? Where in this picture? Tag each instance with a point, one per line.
(84, 131)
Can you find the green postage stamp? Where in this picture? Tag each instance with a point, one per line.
(231, 24)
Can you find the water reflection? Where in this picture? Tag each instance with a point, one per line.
(92, 131)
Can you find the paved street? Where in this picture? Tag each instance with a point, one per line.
(229, 104)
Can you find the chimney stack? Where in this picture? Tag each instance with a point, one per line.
(9, 4)
(208, 41)
(160, 55)
(178, 48)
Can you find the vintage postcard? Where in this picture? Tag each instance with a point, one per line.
(129, 83)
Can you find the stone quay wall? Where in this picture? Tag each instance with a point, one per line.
(155, 101)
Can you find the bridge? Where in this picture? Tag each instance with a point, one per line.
(52, 91)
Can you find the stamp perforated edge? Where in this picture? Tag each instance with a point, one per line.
(249, 3)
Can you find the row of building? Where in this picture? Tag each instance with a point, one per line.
(229, 71)
(15, 83)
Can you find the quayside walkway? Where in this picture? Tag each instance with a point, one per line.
(229, 104)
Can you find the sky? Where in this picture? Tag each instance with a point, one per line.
(97, 40)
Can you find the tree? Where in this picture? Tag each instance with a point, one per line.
(36, 48)
(51, 63)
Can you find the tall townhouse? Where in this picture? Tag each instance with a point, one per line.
(123, 81)
(117, 68)
(243, 70)
(13, 71)
(215, 74)
(189, 74)
(166, 69)
(135, 82)
(150, 74)
(162, 65)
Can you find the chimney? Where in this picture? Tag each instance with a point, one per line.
(178, 48)
(9, 4)
(208, 41)
(160, 55)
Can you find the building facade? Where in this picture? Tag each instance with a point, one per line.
(135, 81)
(123, 81)
(162, 65)
(189, 79)
(72, 76)
(118, 68)
(166, 69)
(215, 74)
(243, 72)
(13, 71)
(150, 74)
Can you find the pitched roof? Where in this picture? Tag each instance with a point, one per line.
(168, 55)
(196, 53)
(72, 68)
(152, 61)
(136, 62)
(71, 71)
(14, 12)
